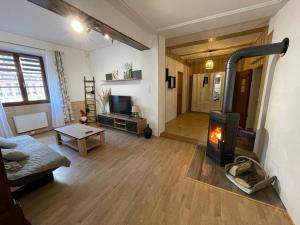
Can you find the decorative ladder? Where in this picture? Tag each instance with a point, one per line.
(90, 99)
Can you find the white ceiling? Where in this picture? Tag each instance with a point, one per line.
(173, 18)
(24, 18)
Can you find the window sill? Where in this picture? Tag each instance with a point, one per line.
(24, 103)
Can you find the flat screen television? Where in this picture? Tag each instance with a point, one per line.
(120, 104)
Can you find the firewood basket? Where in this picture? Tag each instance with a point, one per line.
(258, 186)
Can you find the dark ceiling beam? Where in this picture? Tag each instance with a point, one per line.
(219, 49)
(237, 34)
(65, 9)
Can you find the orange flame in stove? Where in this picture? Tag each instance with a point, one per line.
(215, 135)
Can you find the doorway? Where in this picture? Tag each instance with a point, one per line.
(254, 98)
(206, 94)
(241, 95)
(179, 92)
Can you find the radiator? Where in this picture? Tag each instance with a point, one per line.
(30, 122)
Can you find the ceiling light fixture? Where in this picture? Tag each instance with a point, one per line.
(106, 36)
(209, 64)
(77, 25)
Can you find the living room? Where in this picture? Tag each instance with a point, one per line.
(122, 49)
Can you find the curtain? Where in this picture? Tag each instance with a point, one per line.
(57, 112)
(5, 130)
(67, 108)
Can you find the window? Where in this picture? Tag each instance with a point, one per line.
(22, 79)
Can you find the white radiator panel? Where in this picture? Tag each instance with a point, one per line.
(30, 122)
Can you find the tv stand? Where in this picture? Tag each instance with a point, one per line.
(123, 122)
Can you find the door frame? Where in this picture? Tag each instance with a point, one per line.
(179, 93)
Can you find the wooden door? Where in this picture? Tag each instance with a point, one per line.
(241, 95)
(179, 93)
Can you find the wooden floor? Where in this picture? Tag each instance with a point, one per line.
(191, 125)
(137, 181)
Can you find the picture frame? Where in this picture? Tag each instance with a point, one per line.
(171, 82)
(167, 75)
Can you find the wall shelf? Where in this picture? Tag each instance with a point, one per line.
(136, 75)
(121, 80)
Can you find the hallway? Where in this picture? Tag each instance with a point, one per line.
(192, 125)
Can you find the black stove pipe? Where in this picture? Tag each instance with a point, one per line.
(263, 50)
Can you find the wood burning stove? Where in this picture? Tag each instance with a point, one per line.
(222, 129)
(221, 138)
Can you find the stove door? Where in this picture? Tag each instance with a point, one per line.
(215, 135)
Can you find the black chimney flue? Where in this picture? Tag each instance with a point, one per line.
(263, 50)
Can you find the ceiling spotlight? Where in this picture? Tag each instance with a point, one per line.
(106, 36)
(77, 25)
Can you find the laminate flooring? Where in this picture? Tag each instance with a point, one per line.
(134, 181)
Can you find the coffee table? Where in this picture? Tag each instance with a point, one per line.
(80, 137)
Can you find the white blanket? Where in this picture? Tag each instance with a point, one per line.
(42, 158)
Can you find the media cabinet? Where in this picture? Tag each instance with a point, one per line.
(123, 122)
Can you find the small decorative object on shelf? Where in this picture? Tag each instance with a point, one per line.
(136, 75)
(108, 76)
(115, 75)
(135, 111)
(128, 71)
(147, 132)
(103, 97)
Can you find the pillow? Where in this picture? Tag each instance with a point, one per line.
(4, 143)
(12, 166)
(14, 155)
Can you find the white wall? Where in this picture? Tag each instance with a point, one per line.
(75, 61)
(171, 94)
(145, 92)
(281, 141)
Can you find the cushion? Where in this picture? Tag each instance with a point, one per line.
(11, 166)
(14, 155)
(6, 144)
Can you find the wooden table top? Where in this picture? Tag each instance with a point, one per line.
(79, 131)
